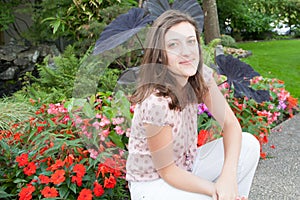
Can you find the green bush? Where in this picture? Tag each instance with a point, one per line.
(228, 41)
(56, 78)
(62, 77)
(208, 51)
(296, 32)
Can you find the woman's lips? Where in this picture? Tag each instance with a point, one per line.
(186, 62)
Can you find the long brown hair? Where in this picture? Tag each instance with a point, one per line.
(154, 76)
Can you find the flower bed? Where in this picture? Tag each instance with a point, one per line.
(255, 118)
(61, 153)
(77, 149)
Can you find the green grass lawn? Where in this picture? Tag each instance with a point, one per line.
(276, 59)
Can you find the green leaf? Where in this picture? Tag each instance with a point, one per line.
(92, 100)
(19, 180)
(63, 191)
(55, 26)
(3, 194)
(88, 111)
(73, 187)
(116, 139)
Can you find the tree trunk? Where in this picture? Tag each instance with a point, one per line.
(141, 3)
(211, 21)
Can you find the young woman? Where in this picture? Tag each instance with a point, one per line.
(164, 162)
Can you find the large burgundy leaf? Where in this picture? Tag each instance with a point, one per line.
(121, 29)
(238, 75)
(157, 7)
(192, 7)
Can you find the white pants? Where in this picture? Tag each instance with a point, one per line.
(208, 165)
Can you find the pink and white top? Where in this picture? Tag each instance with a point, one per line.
(155, 110)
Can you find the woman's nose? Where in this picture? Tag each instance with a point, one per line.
(185, 49)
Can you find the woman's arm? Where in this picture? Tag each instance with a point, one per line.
(160, 143)
(232, 135)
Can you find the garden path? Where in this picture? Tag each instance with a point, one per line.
(278, 177)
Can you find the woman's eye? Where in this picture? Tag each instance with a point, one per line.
(172, 45)
(192, 41)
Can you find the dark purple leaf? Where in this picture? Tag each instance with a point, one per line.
(129, 76)
(121, 29)
(241, 90)
(238, 75)
(191, 7)
(157, 7)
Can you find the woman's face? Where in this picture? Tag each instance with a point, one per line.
(182, 50)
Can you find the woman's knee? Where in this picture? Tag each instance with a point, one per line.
(250, 143)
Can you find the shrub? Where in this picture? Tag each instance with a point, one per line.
(60, 76)
(56, 78)
(228, 41)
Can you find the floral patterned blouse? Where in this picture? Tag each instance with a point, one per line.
(155, 110)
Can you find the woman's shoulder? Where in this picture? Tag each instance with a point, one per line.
(156, 100)
(155, 97)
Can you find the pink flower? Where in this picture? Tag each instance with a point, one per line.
(93, 153)
(96, 125)
(271, 106)
(132, 107)
(56, 109)
(225, 85)
(87, 134)
(78, 120)
(119, 130)
(98, 116)
(256, 79)
(281, 105)
(104, 121)
(118, 120)
(283, 95)
(103, 134)
(128, 130)
(52, 109)
(66, 119)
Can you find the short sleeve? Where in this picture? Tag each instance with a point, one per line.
(156, 111)
(207, 74)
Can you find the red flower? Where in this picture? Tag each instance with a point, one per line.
(69, 160)
(30, 169)
(110, 182)
(26, 192)
(98, 189)
(292, 102)
(85, 194)
(48, 192)
(22, 159)
(58, 176)
(202, 137)
(79, 169)
(103, 169)
(78, 180)
(41, 127)
(263, 155)
(17, 136)
(58, 164)
(44, 179)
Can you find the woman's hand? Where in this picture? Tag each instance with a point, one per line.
(226, 188)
